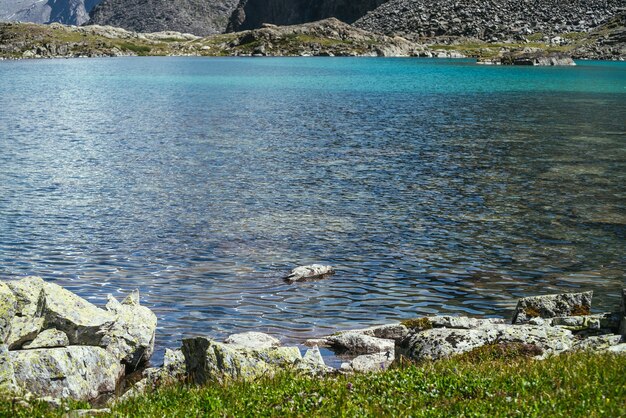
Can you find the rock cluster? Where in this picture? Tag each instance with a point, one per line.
(55, 344)
(490, 20)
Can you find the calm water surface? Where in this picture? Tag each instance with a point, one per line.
(434, 186)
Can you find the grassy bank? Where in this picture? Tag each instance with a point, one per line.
(481, 384)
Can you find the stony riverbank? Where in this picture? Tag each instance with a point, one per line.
(328, 37)
(55, 345)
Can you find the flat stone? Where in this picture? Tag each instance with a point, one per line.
(317, 342)
(388, 332)
(596, 343)
(207, 360)
(463, 322)
(619, 348)
(75, 372)
(253, 340)
(357, 343)
(551, 306)
(49, 338)
(438, 343)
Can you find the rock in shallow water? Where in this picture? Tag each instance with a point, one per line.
(357, 343)
(314, 271)
(252, 340)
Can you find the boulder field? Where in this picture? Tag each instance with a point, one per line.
(55, 345)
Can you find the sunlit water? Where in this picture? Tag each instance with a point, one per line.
(433, 186)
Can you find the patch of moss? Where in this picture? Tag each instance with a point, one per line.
(419, 324)
(506, 351)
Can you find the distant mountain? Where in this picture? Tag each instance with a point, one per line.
(70, 12)
(199, 17)
(251, 14)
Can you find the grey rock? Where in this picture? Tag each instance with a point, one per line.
(207, 360)
(8, 307)
(49, 338)
(463, 322)
(619, 348)
(550, 306)
(76, 372)
(357, 343)
(377, 362)
(314, 271)
(82, 321)
(24, 329)
(388, 331)
(253, 340)
(7, 372)
(77, 413)
(596, 343)
(438, 343)
(313, 362)
(622, 327)
(130, 336)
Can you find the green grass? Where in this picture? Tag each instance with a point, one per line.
(491, 384)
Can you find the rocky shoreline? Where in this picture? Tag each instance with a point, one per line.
(56, 346)
(329, 37)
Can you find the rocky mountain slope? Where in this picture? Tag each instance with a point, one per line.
(199, 17)
(251, 14)
(491, 20)
(70, 12)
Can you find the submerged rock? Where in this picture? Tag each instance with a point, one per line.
(76, 372)
(314, 271)
(551, 306)
(207, 360)
(49, 338)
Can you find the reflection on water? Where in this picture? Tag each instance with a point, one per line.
(431, 186)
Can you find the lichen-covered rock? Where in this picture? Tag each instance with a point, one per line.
(607, 321)
(130, 335)
(253, 340)
(551, 306)
(596, 343)
(369, 363)
(174, 363)
(24, 329)
(7, 373)
(49, 338)
(463, 322)
(75, 372)
(82, 321)
(437, 343)
(8, 305)
(357, 343)
(313, 363)
(207, 360)
(29, 294)
(619, 348)
(387, 332)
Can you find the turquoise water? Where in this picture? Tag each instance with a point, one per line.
(433, 186)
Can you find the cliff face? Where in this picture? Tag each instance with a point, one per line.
(251, 14)
(199, 17)
(490, 20)
(70, 12)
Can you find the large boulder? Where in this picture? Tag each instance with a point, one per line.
(551, 306)
(28, 320)
(76, 372)
(130, 335)
(7, 373)
(82, 321)
(208, 360)
(438, 343)
(357, 343)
